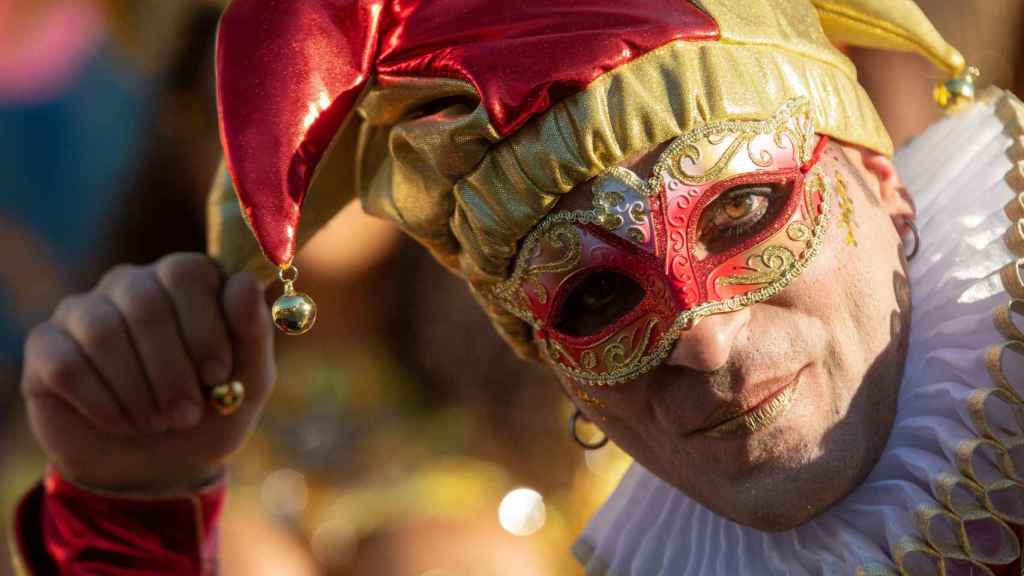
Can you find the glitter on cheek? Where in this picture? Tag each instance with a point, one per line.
(847, 215)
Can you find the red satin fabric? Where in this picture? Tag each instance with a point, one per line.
(64, 529)
(290, 72)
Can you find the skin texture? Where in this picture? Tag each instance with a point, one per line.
(112, 381)
(839, 331)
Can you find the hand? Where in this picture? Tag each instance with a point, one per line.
(113, 381)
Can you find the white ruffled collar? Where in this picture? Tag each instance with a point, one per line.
(949, 483)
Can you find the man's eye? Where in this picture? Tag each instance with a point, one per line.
(597, 301)
(739, 214)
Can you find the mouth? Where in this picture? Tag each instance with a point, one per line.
(730, 422)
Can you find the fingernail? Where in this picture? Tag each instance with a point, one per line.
(214, 373)
(185, 416)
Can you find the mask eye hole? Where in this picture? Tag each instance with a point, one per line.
(740, 213)
(596, 301)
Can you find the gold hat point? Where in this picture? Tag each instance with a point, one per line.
(955, 93)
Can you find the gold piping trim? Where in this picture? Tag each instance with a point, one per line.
(1014, 238)
(945, 486)
(1004, 320)
(999, 486)
(994, 363)
(1014, 209)
(926, 516)
(909, 545)
(1012, 279)
(977, 404)
(1004, 555)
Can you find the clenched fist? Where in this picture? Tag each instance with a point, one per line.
(114, 380)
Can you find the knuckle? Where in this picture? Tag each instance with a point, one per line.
(187, 270)
(68, 307)
(117, 274)
(141, 301)
(62, 371)
(35, 343)
(98, 326)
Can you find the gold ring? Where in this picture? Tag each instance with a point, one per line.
(227, 398)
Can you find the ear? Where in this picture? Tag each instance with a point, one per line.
(893, 195)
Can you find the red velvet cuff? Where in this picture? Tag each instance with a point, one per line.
(65, 529)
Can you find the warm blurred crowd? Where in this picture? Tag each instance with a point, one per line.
(403, 437)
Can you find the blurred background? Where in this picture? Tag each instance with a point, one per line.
(403, 437)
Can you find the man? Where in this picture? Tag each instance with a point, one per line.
(686, 209)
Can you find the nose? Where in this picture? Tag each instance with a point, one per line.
(708, 345)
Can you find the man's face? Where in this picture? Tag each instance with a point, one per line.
(770, 413)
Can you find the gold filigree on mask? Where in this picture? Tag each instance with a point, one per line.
(799, 232)
(619, 205)
(604, 204)
(624, 349)
(560, 241)
(702, 148)
(770, 265)
(562, 237)
(558, 354)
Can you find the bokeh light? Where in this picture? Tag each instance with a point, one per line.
(333, 543)
(284, 493)
(522, 512)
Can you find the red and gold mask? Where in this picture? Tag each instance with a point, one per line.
(732, 213)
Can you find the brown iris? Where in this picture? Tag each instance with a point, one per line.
(738, 214)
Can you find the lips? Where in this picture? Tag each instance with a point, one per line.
(732, 420)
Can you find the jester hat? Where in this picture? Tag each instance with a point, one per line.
(465, 121)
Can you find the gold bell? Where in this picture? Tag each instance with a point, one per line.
(958, 91)
(293, 312)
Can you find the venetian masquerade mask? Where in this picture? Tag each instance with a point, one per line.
(733, 213)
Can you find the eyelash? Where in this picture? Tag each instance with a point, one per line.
(728, 235)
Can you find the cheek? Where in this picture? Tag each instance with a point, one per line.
(850, 287)
(872, 269)
(623, 413)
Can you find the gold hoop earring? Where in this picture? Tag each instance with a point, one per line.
(574, 434)
(917, 239)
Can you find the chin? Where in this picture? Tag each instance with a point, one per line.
(780, 500)
(778, 519)
(788, 481)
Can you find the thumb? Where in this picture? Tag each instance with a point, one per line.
(253, 336)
